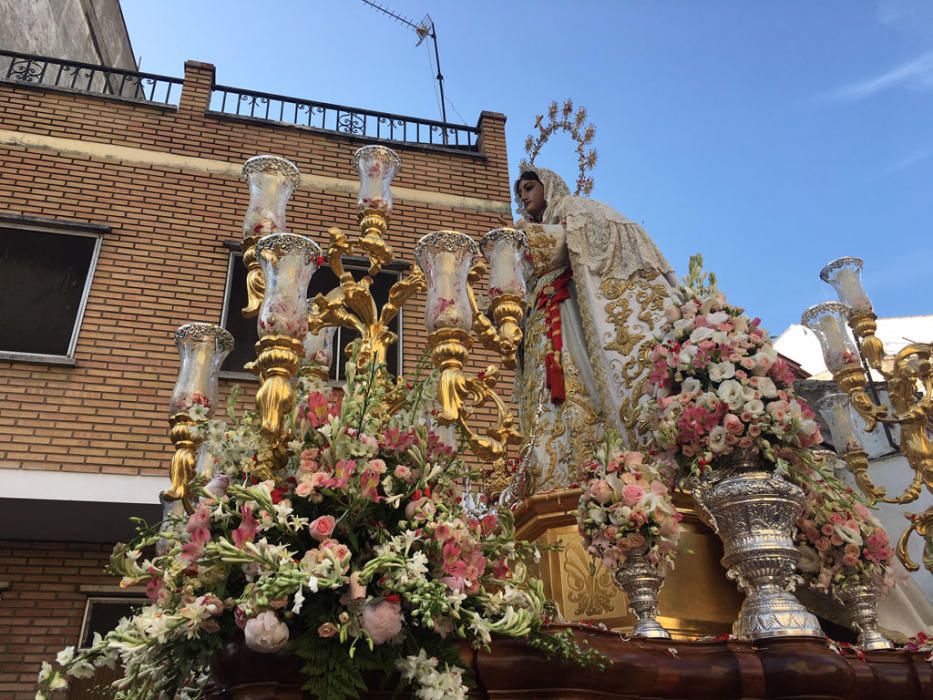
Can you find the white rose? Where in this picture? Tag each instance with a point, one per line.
(847, 535)
(720, 337)
(691, 385)
(687, 354)
(683, 324)
(717, 439)
(715, 319)
(701, 334)
(766, 387)
(708, 400)
(266, 633)
(748, 393)
(756, 407)
(730, 391)
(721, 370)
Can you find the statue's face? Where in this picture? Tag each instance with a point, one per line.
(532, 194)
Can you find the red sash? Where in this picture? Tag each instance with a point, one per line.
(550, 299)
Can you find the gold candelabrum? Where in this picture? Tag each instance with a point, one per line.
(908, 379)
(296, 334)
(202, 348)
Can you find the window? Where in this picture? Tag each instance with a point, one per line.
(324, 280)
(101, 615)
(45, 277)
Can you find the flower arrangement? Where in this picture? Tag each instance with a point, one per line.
(354, 555)
(626, 508)
(717, 384)
(839, 540)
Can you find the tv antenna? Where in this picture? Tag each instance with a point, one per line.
(424, 28)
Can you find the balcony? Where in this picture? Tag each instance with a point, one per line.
(148, 88)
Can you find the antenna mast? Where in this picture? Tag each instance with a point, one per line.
(423, 29)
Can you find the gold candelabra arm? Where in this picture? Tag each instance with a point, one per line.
(853, 380)
(185, 459)
(922, 524)
(507, 310)
(857, 463)
(277, 360)
(255, 284)
(373, 224)
(456, 392)
(864, 324)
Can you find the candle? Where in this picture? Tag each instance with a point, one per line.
(851, 293)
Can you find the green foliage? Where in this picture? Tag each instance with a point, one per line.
(563, 645)
(700, 281)
(333, 674)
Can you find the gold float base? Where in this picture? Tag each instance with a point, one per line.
(697, 599)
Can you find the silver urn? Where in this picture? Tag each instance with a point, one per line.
(860, 601)
(641, 581)
(754, 512)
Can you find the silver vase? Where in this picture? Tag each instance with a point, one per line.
(641, 582)
(861, 602)
(754, 511)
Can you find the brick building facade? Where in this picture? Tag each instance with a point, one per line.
(154, 191)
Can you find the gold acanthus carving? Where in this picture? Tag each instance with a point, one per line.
(589, 585)
(255, 283)
(351, 304)
(277, 360)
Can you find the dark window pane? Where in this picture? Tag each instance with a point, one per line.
(42, 277)
(323, 281)
(103, 616)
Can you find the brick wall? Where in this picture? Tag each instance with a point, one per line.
(163, 263)
(169, 204)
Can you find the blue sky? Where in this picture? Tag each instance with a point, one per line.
(770, 136)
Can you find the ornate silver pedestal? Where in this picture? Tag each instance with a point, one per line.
(753, 511)
(641, 582)
(861, 602)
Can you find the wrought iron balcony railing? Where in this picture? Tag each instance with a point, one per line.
(50, 72)
(89, 78)
(351, 121)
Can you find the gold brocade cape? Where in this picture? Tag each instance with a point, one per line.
(620, 284)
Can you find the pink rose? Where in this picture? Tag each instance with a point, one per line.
(304, 489)
(322, 527)
(382, 620)
(402, 472)
(732, 424)
(633, 459)
(632, 494)
(601, 491)
(327, 630)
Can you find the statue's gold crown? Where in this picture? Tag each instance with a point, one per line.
(563, 118)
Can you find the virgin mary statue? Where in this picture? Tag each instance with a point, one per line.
(596, 302)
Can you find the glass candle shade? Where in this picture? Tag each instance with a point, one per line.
(506, 250)
(828, 321)
(377, 166)
(845, 275)
(837, 413)
(271, 183)
(202, 348)
(445, 258)
(288, 261)
(319, 347)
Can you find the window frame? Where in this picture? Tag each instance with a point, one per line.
(350, 263)
(137, 600)
(95, 231)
